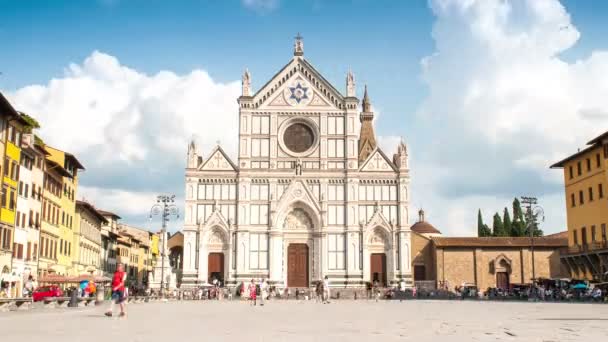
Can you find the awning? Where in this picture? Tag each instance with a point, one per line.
(54, 278)
(89, 277)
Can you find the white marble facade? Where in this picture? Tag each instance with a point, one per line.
(299, 204)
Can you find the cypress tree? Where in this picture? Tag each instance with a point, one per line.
(482, 229)
(518, 226)
(497, 227)
(507, 225)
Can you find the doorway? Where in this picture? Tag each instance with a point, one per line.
(215, 267)
(297, 265)
(502, 280)
(378, 268)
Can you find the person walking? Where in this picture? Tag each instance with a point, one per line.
(118, 291)
(263, 291)
(326, 293)
(253, 292)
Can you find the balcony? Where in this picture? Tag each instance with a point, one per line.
(593, 247)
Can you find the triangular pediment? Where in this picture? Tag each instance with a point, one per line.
(378, 220)
(298, 191)
(218, 161)
(216, 219)
(377, 162)
(298, 85)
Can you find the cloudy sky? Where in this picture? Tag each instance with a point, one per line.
(487, 93)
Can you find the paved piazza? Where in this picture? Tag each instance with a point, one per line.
(309, 321)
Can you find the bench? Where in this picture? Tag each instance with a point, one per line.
(85, 301)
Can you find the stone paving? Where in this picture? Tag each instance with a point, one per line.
(310, 321)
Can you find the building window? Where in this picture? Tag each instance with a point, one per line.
(571, 172)
(335, 214)
(600, 190)
(335, 192)
(579, 168)
(335, 250)
(592, 233)
(588, 165)
(260, 147)
(258, 251)
(259, 214)
(581, 197)
(590, 194)
(335, 148)
(572, 200)
(575, 237)
(260, 125)
(259, 192)
(598, 160)
(603, 232)
(335, 125)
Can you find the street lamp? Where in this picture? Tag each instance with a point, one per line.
(532, 212)
(165, 208)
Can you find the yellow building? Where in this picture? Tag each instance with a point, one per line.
(586, 182)
(140, 253)
(11, 128)
(50, 232)
(68, 207)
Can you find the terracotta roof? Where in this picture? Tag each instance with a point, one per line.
(560, 235)
(108, 213)
(598, 139)
(92, 210)
(561, 163)
(498, 242)
(424, 227)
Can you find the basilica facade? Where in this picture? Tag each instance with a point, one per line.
(310, 195)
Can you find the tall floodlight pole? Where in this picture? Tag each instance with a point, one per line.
(533, 211)
(165, 208)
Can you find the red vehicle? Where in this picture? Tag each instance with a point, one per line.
(44, 292)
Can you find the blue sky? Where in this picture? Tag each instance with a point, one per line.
(383, 42)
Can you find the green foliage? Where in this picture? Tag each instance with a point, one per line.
(497, 226)
(506, 223)
(32, 123)
(482, 229)
(519, 226)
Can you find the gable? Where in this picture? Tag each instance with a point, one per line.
(298, 85)
(218, 161)
(377, 162)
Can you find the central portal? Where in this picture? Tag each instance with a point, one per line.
(297, 265)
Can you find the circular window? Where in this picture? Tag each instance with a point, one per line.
(299, 137)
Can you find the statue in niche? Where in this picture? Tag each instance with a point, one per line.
(299, 167)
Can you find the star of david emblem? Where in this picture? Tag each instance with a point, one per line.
(298, 93)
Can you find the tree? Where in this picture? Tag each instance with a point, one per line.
(497, 227)
(506, 223)
(482, 229)
(518, 226)
(532, 223)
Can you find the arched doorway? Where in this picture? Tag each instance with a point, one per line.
(216, 245)
(377, 264)
(502, 269)
(296, 225)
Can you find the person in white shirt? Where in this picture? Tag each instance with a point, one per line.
(326, 293)
(263, 291)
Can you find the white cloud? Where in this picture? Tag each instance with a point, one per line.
(261, 5)
(503, 106)
(129, 129)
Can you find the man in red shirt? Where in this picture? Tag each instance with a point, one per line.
(118, 291)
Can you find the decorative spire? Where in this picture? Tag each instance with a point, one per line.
(367, 106)
(192, 155)
(350, 84)
(421, 215)
(367, 137)
(298, 46)
(246, 83)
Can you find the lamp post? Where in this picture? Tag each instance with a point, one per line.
(532, 212)
(165, 208)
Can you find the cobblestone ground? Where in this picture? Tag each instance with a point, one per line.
(310, 321)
